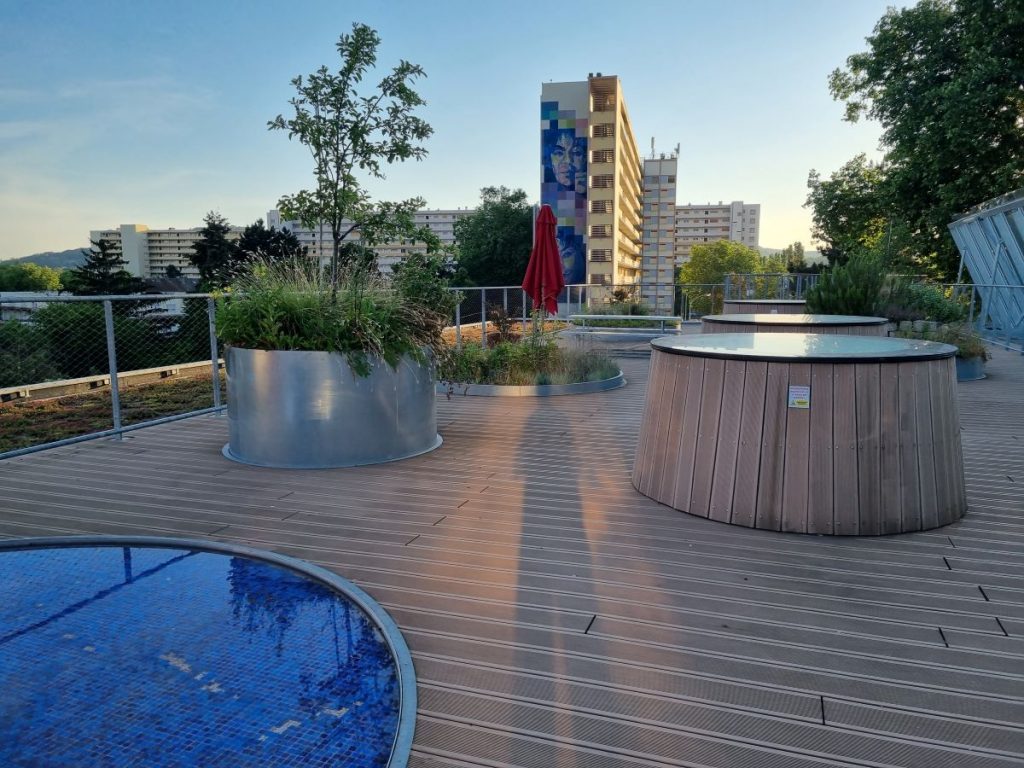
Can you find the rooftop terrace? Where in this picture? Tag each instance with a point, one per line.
(559, 618)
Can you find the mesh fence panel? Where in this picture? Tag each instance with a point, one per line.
(55, 371)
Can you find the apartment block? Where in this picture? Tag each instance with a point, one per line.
(319, 240)
(699, 224)
(658, 259)
(149, 252)
(591, 177)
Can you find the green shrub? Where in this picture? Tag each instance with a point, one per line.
(921, 301)
(853, 288)
(534, 360)
(293, 306)
(969, 344)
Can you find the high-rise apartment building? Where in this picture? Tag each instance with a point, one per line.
(659, 233)
(591, 178)
(699, 224)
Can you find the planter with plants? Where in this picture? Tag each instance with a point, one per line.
(971, 352)
(535, 366)
(328, 373)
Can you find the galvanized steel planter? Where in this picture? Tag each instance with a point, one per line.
(534, 390)
(309, 410)
(970, 369)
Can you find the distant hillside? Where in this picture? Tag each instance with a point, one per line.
(56, 259)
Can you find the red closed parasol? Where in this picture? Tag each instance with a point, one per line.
(544, 279)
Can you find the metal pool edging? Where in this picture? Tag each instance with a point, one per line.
(402, 744)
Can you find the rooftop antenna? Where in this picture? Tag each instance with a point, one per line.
(677, 149)
(652, 147)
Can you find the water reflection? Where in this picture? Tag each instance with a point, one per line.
(116, 656)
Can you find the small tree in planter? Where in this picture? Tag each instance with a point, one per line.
(335, 368)
(329, 372)
(349, 132)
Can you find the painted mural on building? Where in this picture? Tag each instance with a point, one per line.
(564, 188)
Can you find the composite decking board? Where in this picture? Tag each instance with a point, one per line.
(541, 532)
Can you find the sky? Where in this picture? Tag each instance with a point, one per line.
(155, 111)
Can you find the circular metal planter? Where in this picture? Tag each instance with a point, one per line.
(535, 390)
(309, 410)
(970, 369)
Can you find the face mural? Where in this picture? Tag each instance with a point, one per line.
(564, 187)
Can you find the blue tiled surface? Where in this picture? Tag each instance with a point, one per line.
(114, 656)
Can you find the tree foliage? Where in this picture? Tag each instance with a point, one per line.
(493, 244)
(103, 273)
(349, 132)
(214, 255)
(710, 263)
(258, 243)
(29, 277)
(848, 209)
(944, 80)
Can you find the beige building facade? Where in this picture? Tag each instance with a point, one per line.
(700, 224)
(591, 177)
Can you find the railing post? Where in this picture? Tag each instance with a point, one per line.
(726, 288)
(115, 394)
(458, 325)
(211, 314)
(504, 299)
(524, 309)
(483, 318)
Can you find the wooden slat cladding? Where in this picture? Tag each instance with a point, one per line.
(711, 326)
(877, 452)
(746, 306)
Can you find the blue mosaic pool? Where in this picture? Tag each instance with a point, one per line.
(145, 656)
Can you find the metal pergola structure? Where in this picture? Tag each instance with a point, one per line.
(990, 239)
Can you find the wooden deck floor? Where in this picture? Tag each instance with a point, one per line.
(559, 618)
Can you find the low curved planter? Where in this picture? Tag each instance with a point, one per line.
(970, 369)
(536, 390)
(309, 410)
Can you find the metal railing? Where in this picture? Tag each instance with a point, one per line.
(89, 361)
(481, 305)
(773, 285)
(87, 350)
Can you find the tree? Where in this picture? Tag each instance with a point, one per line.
(710, 263)
(172, 272)
(793, 256)
(492, 245)
(214, 255)
(103, 273)
(28, 277)
(944, 80)
(258, 243)
(347, 132)
(848, 211)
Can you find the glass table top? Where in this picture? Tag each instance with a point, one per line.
(764, 318)
(803, 347)
(135, 656)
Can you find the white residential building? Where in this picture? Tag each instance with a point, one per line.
(319, 240)
(149, 252)
(659, 233)
(699, 224)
